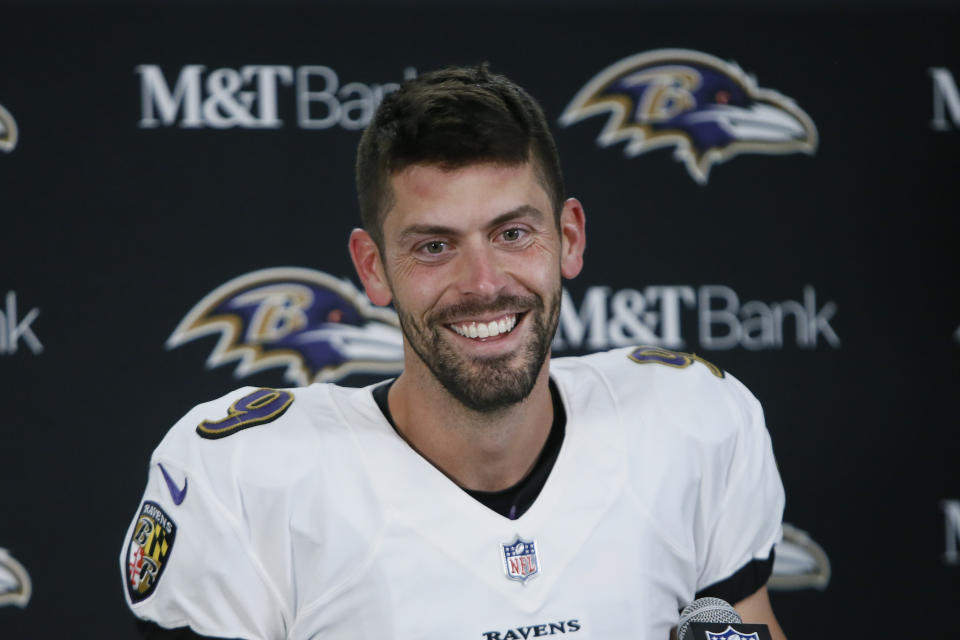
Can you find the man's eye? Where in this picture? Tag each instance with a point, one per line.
(435, 247)
(512, 234)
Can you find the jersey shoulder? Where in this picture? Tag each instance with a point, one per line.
(260, 438)
(241, 492)
(230, 422)
(680, 391)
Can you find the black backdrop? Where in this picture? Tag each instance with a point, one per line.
(112, 231)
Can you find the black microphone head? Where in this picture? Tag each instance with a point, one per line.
(706, 610)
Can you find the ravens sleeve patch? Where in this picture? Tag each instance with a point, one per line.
(149, 550)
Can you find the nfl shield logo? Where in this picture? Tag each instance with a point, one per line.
(520, 559)
(731, 634)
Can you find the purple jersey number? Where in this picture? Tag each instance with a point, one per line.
(643, 355)
(259, 407)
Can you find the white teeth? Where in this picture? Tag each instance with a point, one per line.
(486, 330)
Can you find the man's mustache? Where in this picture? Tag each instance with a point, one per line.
(463, 310)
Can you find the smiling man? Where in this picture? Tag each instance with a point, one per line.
(471, 257)
(488, 492)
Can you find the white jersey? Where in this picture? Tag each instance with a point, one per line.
(301, 514)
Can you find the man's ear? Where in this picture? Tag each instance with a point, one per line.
(573, 238)
(369, 265)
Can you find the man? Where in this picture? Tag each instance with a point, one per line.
(488, 492)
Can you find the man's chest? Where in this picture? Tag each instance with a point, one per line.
(599, 554)
(589, 563)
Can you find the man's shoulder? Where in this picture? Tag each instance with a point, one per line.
(255, 482)
(659, 386)
(265, 432)
(631, 367)
(244, 413)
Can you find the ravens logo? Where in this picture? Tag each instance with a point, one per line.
(15, 586)
(319, 327)
(708, 110)
(8, 131)
(800, 562)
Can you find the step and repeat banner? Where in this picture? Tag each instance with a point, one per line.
(774, 190)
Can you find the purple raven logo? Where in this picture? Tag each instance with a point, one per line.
(8, 131)
(800, 562)
(708, 110)
(319, 327)
(15, 585)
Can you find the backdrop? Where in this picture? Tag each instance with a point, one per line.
(773, 189)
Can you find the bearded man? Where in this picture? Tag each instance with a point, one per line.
(489, 492)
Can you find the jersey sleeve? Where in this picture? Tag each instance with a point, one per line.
(742, 503)
(186, 559)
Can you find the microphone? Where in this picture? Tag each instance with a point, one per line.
(715, 619)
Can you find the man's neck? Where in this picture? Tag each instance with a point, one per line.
(480, 451)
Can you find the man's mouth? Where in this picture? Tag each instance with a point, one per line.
(496, 327)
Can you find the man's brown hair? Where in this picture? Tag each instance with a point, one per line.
(452, 118)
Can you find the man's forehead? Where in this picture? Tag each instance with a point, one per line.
(429, 178)
(425, 191)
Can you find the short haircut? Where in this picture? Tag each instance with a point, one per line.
(452, 118)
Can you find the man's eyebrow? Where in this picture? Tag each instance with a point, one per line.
(519, 212)
(441, 230)
(426, 230)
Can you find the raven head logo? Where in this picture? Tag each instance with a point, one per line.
(318, 327)
(8, 131)
(800, 562)
(707, 109)
(15, 586)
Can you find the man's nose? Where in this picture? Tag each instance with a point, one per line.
(481, 272)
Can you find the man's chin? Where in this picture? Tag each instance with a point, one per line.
(481, 376)
(491, 383)
(490, 399)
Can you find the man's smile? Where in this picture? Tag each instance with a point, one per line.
(486, 329)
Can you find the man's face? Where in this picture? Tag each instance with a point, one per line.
(473, 261)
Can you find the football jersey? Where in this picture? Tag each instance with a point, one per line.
(301, 513)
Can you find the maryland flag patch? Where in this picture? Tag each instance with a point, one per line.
(149, 550)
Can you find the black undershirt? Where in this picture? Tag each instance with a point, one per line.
(513, 501)
(741, 584)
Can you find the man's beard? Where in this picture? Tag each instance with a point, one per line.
(484, 385)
